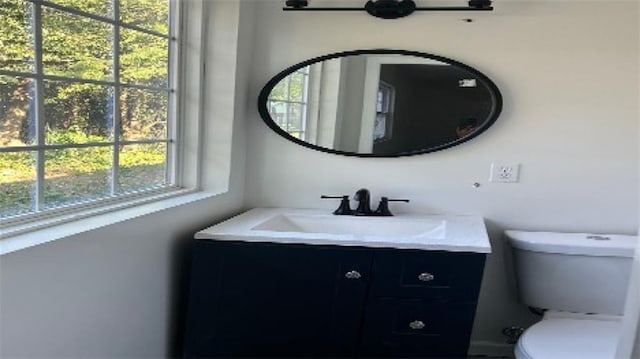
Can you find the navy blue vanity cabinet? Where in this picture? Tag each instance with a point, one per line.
(421, 303)
(275, 300)
(290, 300)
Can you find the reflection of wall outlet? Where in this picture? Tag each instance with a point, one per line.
(502, 172)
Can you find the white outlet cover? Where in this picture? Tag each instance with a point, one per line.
(504, 172)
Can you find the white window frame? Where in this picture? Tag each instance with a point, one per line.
(175, 169)
(211, 102)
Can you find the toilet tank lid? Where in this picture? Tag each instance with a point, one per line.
(605, 245)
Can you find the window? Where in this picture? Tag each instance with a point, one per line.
(87, 103)
(288, 103)
(384, 112)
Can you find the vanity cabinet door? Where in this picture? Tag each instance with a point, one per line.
(273, 300)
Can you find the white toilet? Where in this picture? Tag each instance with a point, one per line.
(580, 280)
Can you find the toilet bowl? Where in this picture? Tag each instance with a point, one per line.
(580, 280)
(570, 336)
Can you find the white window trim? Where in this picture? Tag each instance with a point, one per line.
(209, 39)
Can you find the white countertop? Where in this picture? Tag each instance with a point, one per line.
(461, 233)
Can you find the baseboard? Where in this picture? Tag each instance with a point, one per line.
(491, 349)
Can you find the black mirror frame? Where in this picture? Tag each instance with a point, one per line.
(266, 90)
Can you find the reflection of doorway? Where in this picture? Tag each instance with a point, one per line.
(370, 94)
(383, 124)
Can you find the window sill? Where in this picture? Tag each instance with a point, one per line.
(20, 237)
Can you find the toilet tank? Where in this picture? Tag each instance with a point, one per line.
(573, 272)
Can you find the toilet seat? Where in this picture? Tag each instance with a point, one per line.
(569, 338)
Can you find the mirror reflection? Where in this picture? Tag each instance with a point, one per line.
(380, 104)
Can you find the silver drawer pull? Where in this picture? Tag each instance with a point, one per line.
(416, 325)
(426, 277)
(353, 274)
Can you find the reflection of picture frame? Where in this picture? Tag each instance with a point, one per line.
(383, 123)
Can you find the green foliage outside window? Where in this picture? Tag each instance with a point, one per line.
(82, 48)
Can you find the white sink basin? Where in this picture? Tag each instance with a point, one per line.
(359, 226)
(317, 227)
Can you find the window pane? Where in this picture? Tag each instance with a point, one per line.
(279, 92)
(295, 117)
(77, 174)
(142, 166)
(97, 7)
(297, 134)
(278, 111)
(17, 111)
(380, 127)
(76, 46)
(17, 183)
(77, 113)
(16, 39)
(296, 87)
(143, 114)
(144, 58)
(147, 14)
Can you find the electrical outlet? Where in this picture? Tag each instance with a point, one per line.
(504, 172)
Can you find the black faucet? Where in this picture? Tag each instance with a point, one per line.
(363, 196)
(364, 207)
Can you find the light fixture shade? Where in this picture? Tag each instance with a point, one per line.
(390, 9)
(479, 4)
(297, 4)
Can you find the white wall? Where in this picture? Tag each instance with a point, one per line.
(568, 73)
(353, 78)
(119, 291)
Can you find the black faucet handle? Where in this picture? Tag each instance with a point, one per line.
(345, 206)
(396, 200)
(383, 207)
(332, 197)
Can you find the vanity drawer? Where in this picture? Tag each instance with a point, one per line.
(441, 276)
(412, 327)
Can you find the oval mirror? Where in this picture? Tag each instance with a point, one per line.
(380, 103)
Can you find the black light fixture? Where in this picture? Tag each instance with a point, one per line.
(390, 9)
(297, 4)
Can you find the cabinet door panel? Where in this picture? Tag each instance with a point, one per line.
(443, 276)
(269, 300)
(416, 328)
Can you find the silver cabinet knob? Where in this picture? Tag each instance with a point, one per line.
(426, 277)
(353, 274)
(417, 325)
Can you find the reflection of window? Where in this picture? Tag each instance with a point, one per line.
(384, 112)
(86, 103)
(288, 103)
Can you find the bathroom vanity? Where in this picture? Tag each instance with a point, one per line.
(269, 284)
